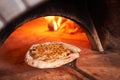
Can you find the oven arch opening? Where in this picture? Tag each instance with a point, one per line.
(79, 14)
(43, 29)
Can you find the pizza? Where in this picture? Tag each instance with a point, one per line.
(51, 54)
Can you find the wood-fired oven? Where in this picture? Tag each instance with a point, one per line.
(90, 25)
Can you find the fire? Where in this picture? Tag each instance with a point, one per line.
(58, 23)
(52, 22)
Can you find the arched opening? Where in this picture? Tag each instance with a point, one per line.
(46, 29)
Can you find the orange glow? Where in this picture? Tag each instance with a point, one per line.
(38, 31)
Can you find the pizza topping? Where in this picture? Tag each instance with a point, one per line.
(50, 52)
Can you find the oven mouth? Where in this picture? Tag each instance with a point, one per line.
(47, 29)
(77, 13)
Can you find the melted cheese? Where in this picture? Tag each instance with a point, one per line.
(50, 52)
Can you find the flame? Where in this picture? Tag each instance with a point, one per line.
(55, 23)
(58, 23)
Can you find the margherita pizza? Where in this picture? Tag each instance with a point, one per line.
(51, 54)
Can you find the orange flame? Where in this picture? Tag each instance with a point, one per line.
(58, 23)
(55, 23)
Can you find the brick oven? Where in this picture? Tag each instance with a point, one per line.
(93, 26)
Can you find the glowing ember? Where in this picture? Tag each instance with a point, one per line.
(58, 23)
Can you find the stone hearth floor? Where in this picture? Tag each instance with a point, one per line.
(98, 66)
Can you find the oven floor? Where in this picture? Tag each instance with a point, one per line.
(92, 64)
(99, 66)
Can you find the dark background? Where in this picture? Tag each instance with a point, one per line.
(106, 18)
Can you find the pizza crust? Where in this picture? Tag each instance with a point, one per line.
(42, 64)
